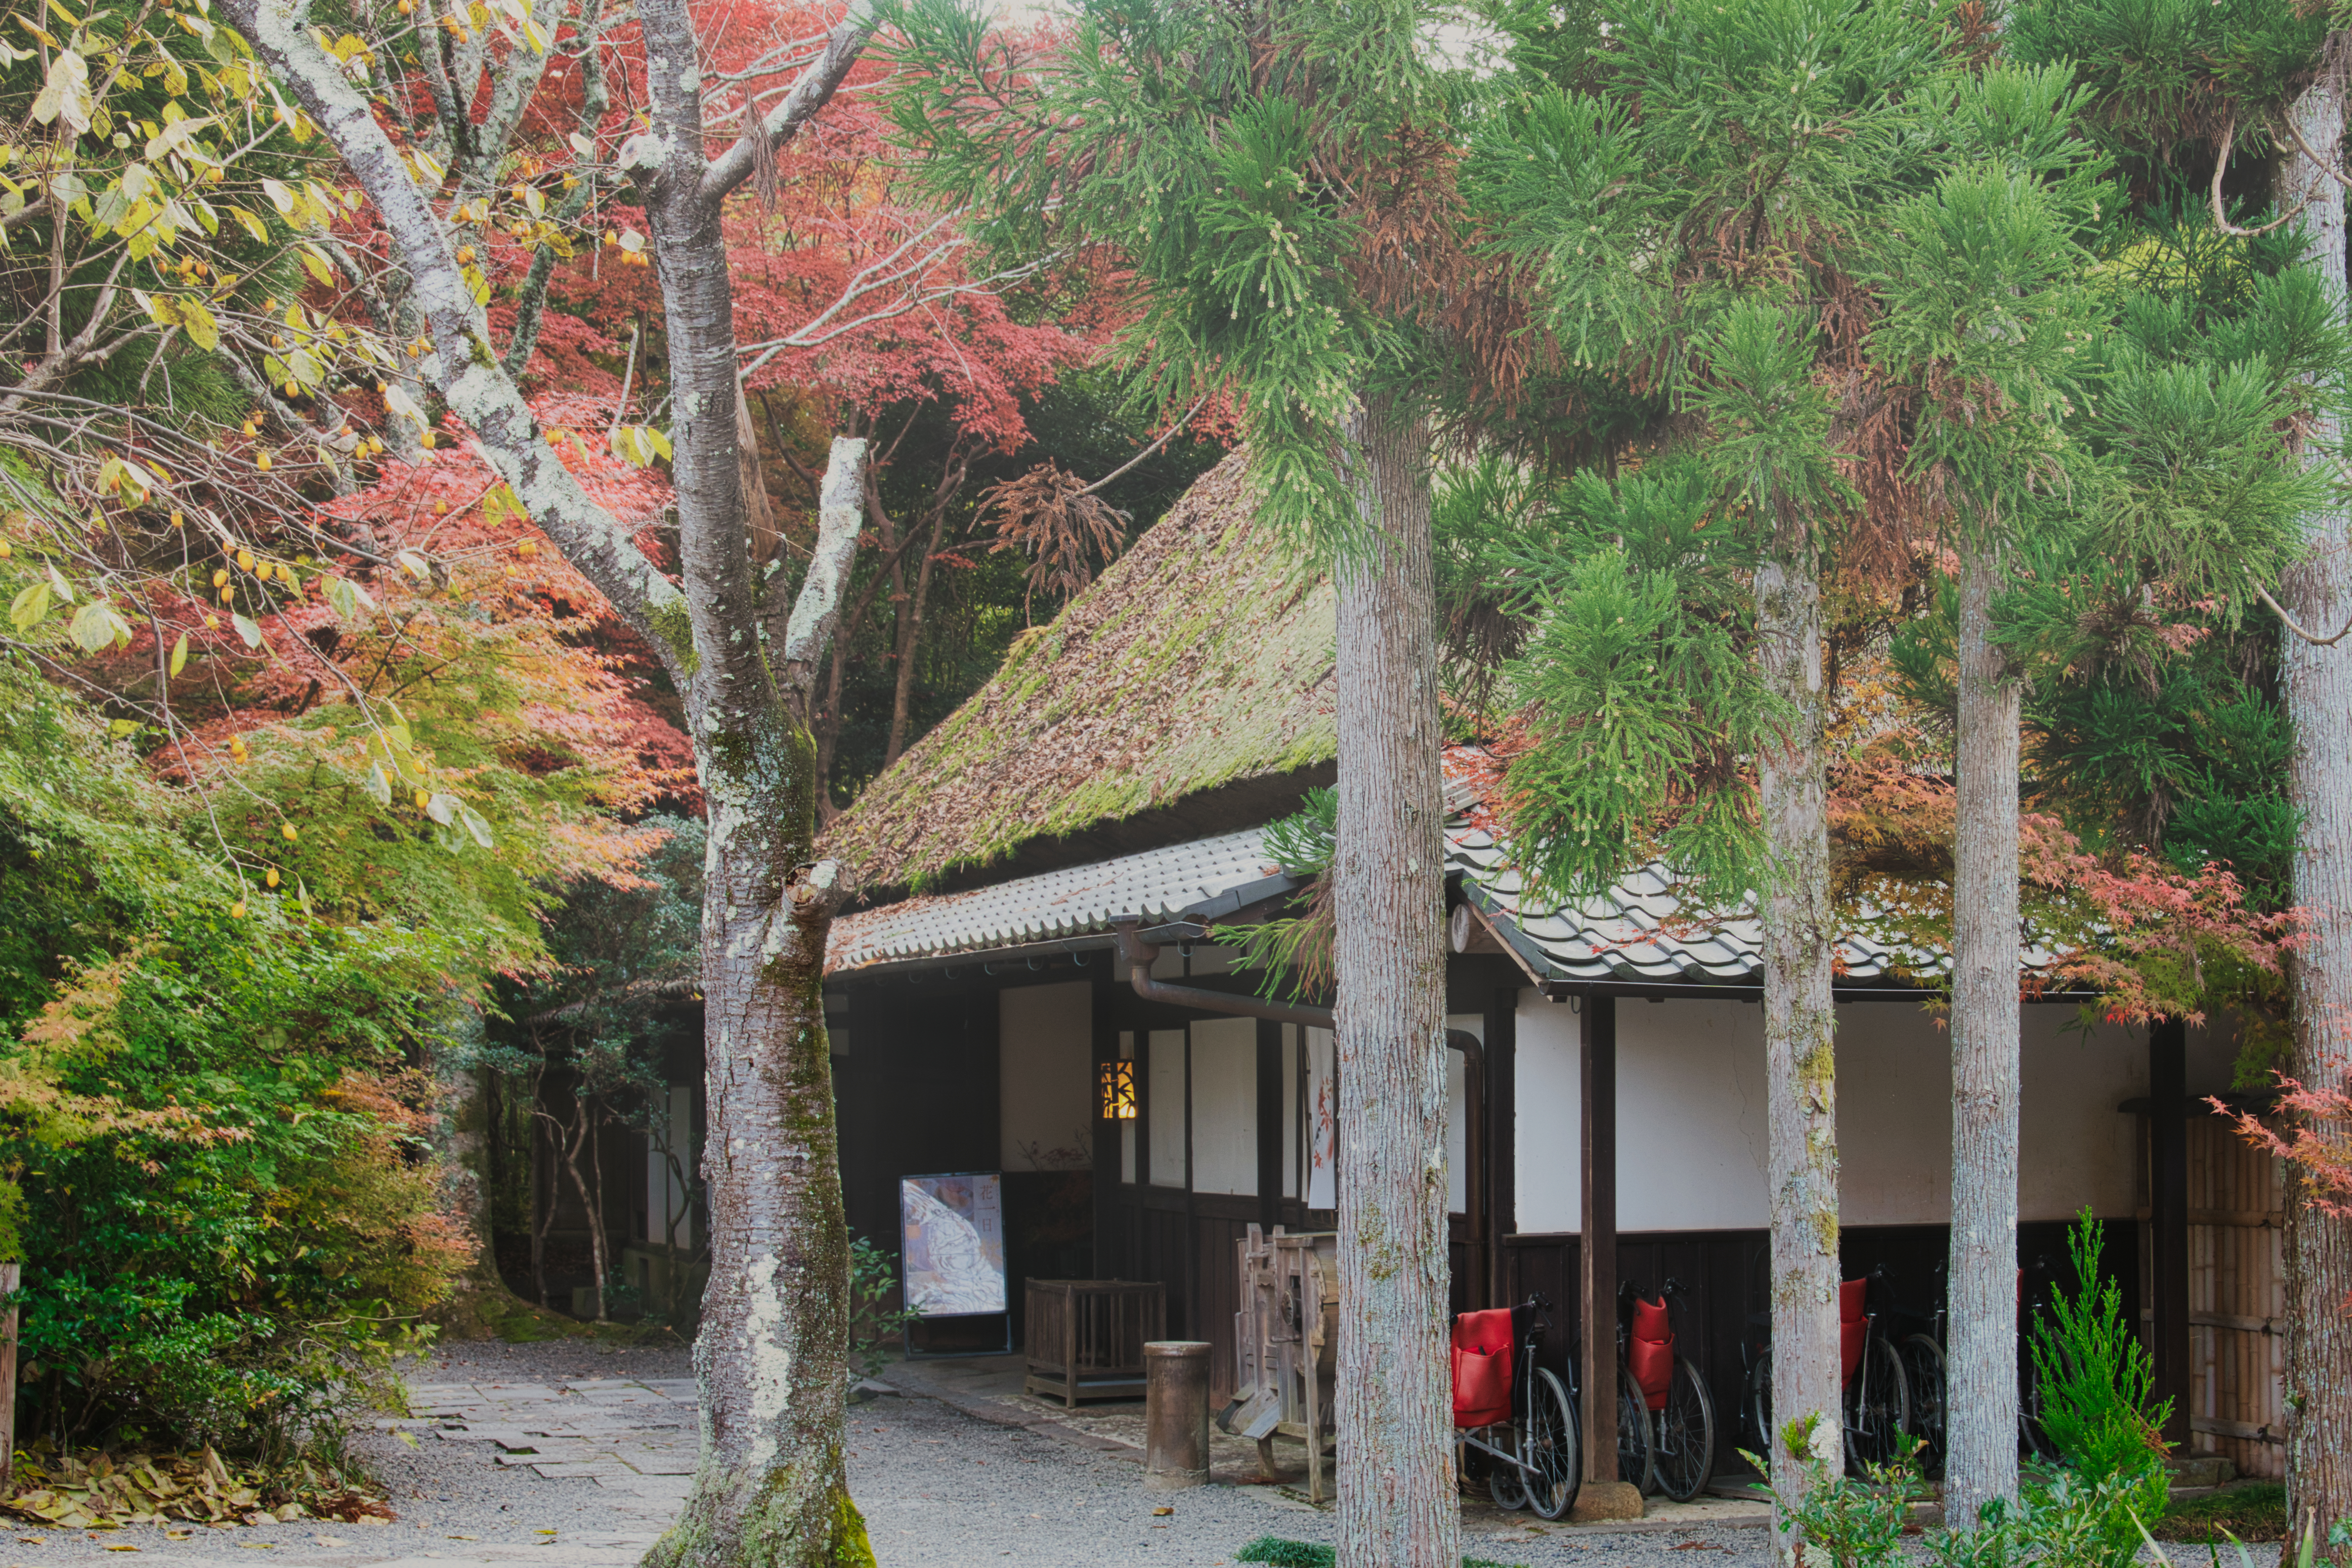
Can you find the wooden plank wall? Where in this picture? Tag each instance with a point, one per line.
(2237, 1299)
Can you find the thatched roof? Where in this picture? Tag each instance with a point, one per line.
(1199, 664)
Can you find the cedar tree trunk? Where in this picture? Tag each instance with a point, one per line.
(1398, 1507)
(773, 1356)
(2318, 682)
(1981, 1396)
(1800, 1027)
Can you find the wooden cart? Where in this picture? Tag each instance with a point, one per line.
(1287, 1342)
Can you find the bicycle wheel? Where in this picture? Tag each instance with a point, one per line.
(1547, 1446)
(1635, 1465)
(1923, 1366)
(1756, 1407)
(1685, 1459)
(1877, 1408)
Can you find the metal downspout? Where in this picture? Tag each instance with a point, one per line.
(1139, 956)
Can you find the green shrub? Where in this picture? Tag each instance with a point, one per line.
(2098, 1404)
(875, 1318)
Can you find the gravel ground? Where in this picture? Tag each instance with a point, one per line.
(937, 1487)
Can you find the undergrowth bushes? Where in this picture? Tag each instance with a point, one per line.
(212, 1162)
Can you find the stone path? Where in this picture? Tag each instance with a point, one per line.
(635, 1438)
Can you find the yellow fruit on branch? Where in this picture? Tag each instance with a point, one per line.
(269, 878)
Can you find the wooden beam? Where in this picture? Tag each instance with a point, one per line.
(2167, 1083)
(1597, 1249)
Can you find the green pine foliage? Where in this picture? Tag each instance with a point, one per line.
(1214, 150)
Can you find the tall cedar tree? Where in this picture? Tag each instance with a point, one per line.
(2318, 679)
(768, 1487)
(1708, 283)
(2201, 103)
(1279, 181)
(1879, 385)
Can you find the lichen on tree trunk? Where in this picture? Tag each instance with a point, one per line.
(1800, 1027)
(1398, 1507)
(2318, 685)
(1981, 1400)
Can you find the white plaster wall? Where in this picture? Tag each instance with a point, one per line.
(1458, 1123)
(1045, 1076)
(1225, 1106)
(1164, 1106)
(1291, 1117)
(1691, 1134)
(1548, 1181)
(1690, 1115)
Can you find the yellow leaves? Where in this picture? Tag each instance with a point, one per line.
(639, 443)
(65, 97)
(179, 655)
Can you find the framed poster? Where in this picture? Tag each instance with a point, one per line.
(952, 1240)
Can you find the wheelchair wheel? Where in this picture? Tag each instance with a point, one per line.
(1877, 1408)
(1548, 1447)
(1684, 1457)
(1756, 1407)
(1504, 1484)
(1923, 1364)
(1636, 1463)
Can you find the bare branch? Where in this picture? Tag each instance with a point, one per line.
(2221, 164)
(460, 362)
(818, 608)
(2297, 627)
(2322, 164)
(810, 92)
(1165, 437)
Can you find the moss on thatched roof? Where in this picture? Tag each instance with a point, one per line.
(1202, 658)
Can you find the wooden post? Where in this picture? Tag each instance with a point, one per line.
(11, 1278)
(2167, 1083)
(1597, 1248)
(1502, 1137)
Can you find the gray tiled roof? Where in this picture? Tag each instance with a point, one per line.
(1152, 885)
(1637, 932)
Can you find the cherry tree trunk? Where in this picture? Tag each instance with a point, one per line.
(1981, 1398)
(1800, 1027)
(1398, 1507)
(773, 1355)
(2318, 684)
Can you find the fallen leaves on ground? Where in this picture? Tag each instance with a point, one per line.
(103, 1491)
